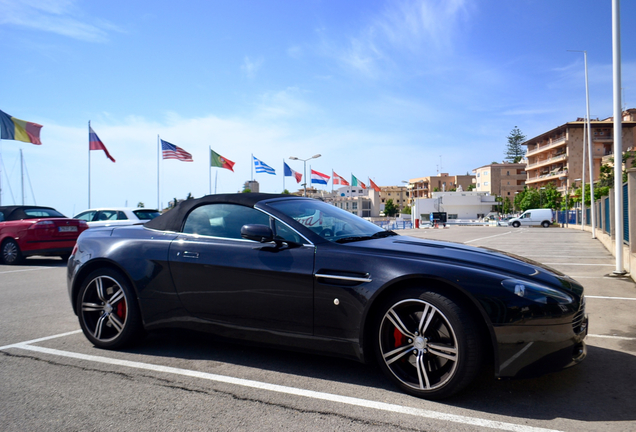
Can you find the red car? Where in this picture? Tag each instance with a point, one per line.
(33, 230)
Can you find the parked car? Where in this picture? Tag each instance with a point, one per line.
(33, 230)
(534, 217)
(250, 267)
(114, 216)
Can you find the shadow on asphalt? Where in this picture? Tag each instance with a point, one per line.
(37, 262)
(597, 390)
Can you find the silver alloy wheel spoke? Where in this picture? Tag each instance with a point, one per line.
(444, 351)
(99, 286)
(421, 372)
(116, 297)
(427, 317)
(99, 327)
(114, 320)
(397, 322)
(92, 307)
(397, 354)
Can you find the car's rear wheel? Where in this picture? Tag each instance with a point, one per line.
(11, 253)
(108, 311)
(545, 224)
(427, 344)
(516, 224)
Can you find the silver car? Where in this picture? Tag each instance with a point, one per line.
(117, 216)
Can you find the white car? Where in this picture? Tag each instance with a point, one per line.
(117, 216)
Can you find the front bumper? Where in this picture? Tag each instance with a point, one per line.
(528, 351)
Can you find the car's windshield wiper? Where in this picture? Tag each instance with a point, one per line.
(353, 239)
(382, 234)
(379, 234)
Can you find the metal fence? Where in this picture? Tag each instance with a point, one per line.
(394, 225)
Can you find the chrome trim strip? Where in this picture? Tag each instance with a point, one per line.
(345, 278)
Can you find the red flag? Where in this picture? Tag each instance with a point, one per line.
(94, 143)
(338, 179)
(374, 186)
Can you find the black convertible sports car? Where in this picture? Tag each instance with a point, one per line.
(303, 274)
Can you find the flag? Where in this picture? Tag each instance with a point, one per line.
(374, 186)
(319, 178)
(262, 167)
(288, 172)
(171, 151)
(94, 143)
(19, 130)
(356, 182)
(338, 179)
(216, 160)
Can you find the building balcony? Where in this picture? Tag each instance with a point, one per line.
(549, 176)
(551, 144)
(548, 161)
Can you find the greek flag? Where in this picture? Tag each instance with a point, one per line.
(262, 167)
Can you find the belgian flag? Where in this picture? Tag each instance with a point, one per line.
(19, 130)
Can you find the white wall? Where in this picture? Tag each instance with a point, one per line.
(466, 205)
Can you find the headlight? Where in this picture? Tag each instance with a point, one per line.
(535, 292)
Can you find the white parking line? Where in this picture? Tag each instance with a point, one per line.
(612, 337)
(382, 406)
(483, 238)
(26, 270)
(609, 298)
(579, 264)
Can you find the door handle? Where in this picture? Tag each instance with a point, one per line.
(187, 254)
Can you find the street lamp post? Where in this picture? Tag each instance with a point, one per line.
(305, 169)
(589, 150)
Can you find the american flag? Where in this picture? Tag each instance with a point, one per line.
(171, 151)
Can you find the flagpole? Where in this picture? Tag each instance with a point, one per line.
(216, 177)
(283, 175)
(252, 166)
(158, 197)
(89, 164)
(1, 164)
(210, 168)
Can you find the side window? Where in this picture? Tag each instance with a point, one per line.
(86, 216)
(121, 216)
(283, 232)
(106, 215)
(222, 220)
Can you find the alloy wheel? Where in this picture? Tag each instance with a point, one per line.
(418, 345)
(104, 308)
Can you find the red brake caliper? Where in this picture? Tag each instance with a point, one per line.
(121, 310)
(399, 337)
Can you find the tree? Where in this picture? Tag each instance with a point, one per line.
(406, 210)
(140, 205)
(389, 208)
(471, 187)
(286, 192)
(506, 206)
(246, 190)
(514, 152)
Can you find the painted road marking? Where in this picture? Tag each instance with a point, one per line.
(26, 270)
(610, 298)
(364, 403)
(612, 337)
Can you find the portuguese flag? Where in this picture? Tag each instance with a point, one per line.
(216, 160)
(19, 130)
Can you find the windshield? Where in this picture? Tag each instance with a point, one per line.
(146, 214)
(329, 221)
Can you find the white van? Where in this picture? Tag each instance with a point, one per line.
(533, 217)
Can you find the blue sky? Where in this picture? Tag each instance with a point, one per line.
(389, 90)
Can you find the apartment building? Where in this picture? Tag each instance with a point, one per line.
(556, 156)
(423, 187)
(399, 195)
(501, 179)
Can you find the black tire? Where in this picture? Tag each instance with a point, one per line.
(516, 224)
(545, 224)
(11, 254)
(426, 344)
(108, 311)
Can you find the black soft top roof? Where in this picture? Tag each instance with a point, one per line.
(16, 212)
(173, 219)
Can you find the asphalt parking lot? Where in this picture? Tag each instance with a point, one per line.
(52, 378)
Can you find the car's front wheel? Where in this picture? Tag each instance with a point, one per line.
(11, 253)
(516, 224)
(427, 344)
(108, 311)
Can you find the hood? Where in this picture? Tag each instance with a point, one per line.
(470, 256)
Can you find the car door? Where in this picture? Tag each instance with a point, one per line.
(526, 219)
(229, 280)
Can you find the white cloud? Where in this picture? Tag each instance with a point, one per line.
(55, 16)
(251, 67)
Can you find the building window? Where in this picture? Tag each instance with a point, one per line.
(485, 183)
(354, 206)
(507, 172)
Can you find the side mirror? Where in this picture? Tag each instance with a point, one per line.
(259, 233)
